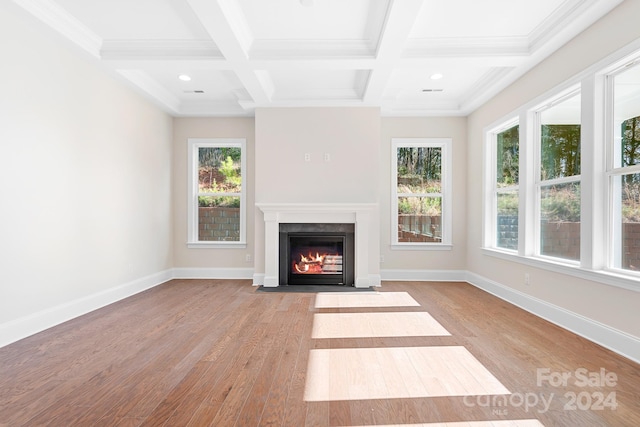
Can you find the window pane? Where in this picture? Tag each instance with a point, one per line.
(219, 170)
(628, 214)
(419, 170)
(218, 218)
(626, 110)
(560, 140)
(560, 221)
(631, 141)
(507, 226)
(419, 219)
(508, 156)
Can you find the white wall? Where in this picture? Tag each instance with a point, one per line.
(351, 139)
(85, 169)
(425, 127)
(350, 136)
(614, 307)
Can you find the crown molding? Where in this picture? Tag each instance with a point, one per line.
(572, 17)
(466, 46)
(492, 82)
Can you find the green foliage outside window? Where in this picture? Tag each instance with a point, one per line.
(631, 142)
(419, 173)
(560, 203)
(560, 151)
(508, 157)
(219, 171)
(428, 206)
(419, 169)
(630, 153)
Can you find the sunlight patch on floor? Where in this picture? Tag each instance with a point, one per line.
(499, 423)
(364, 325)
(396, 372)
(364, 299)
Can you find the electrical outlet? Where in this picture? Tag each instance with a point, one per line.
(527, 279)
(381, 259)
(327, 157)
(247, 257)
(307, 157)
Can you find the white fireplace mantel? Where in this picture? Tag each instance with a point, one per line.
(359, 214)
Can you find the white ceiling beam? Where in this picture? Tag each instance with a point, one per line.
(398, 23)
(159, 49)
(226, 25)
(60, 20)
(142, 81)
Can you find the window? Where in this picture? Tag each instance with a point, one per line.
(562, 177)
(216, 207)
(624, 169)
(558, 183)
(506, 186)
(421, 187)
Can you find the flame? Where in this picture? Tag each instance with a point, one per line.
(310, 263)
(319, 259)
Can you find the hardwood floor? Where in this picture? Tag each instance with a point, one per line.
(218, 353)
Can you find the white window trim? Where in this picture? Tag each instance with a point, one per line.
(445, 144)
(192, 192)
(594, 261)
(490, 228)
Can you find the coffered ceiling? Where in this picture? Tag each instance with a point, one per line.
(245, 54)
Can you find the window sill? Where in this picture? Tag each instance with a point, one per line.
(216, 245)
(606, 277)
(421, 247)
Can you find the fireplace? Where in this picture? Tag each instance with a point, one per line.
(362, 217)
(316, 254)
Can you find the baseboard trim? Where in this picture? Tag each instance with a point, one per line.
(213, 273)
(26, 326)
(424, 275)
(615, 340)
(258, 279)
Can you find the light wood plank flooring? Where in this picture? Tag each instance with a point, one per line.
(219, 353)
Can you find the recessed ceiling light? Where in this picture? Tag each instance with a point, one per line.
(184, 77)
(436, 76)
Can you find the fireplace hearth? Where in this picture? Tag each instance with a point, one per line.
(316, 254)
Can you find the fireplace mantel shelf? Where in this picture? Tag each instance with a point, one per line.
(315, 207)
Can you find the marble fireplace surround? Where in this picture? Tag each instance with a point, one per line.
(359, 214)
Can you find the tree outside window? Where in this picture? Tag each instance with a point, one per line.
(506, 187)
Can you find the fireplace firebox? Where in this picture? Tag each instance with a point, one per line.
(316, 254)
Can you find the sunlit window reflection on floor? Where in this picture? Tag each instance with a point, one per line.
(396, 372)
(363, 325)
(364, 299)
(499, 423)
